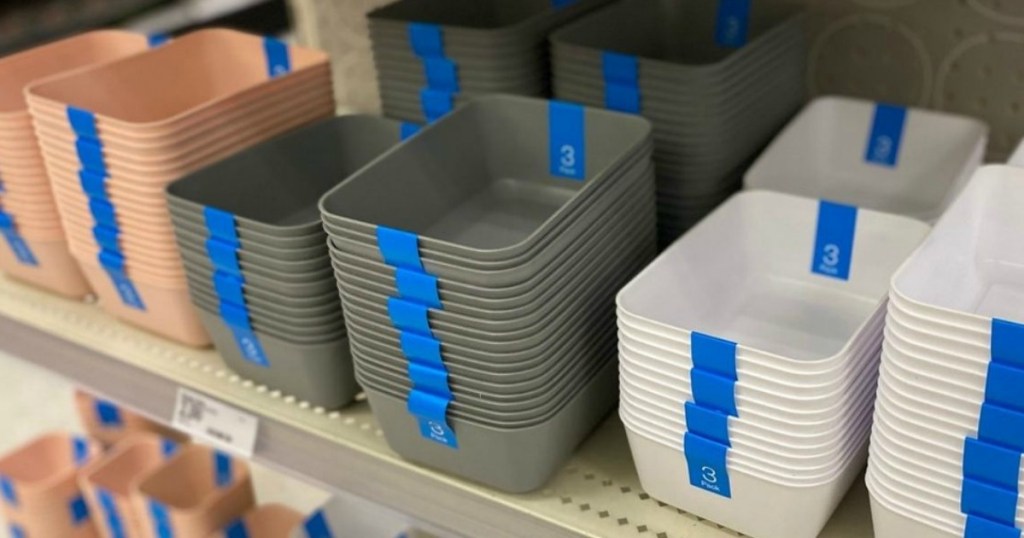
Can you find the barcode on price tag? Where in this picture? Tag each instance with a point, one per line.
(216, 423)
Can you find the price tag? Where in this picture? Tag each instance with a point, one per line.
(216, 423)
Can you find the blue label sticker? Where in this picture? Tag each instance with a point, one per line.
(622, 98)
(83, 122)
(833, 242)
(567, 140)
(236, 530)
(1000, 426)
(417, 286)
(559, 4)
(426, 40)
(429, 379)
(17, 531)
(436, 103)
(223, 256)
(250, 347)
(90, 155)
(1007, 342)
(886, 136)
(990, 502)
(103, 212)
(221, 224)
(8, 492)
(156, 40)
(1003, 386)
(160, 520)
(111, 515)
(229, 287)
(706, 462)
(442, 74)
(421, 349)
(431, 414)
(713, 354)
(168, 448)
(979, 527)
(992, 464)
(407, 129)
(108, 414)
(106, 237)
(79, 451)
(621, 68)
(732, 25)
(94, 184)
(222, 464)
(19, 247)
(707, 423)
(409, 316)
(278, 61)
(317, 527)
(78, 510)
(399, 248)
(122, 284)
(713, 391)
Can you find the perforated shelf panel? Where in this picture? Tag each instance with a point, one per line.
(596, 494)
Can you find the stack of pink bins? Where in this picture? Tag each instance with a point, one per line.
(34, 248)
(113, 137)
(39, 491)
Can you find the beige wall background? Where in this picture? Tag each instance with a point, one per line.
(963, 56)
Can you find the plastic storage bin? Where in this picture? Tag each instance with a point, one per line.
(195, 493)
(268, 521)
(907, 161)
(432, 57)
(35, 248)
(476, 263)
(256, 263)
(945, 448)
(716, 84)
(747, 357)
(113, 138)
(109, 483)
(39, 488)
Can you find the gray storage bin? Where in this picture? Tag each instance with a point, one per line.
(485, 158)
(320, 374)
(513, 460)
(633, 173)
(314, 159)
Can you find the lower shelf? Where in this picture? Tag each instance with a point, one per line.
(596, 494)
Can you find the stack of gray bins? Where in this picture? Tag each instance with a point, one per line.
(256, 255)
(478, 265)
(433, 55)
(717, 79)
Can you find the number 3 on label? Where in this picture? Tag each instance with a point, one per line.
(832, 253)
(709, 474)
(568, 156)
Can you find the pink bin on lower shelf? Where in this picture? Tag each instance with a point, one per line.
(267, 521)
(39, 487)
(197, 492)
(108, 483)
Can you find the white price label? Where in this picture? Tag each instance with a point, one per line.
(216, 423)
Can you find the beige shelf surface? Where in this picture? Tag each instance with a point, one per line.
(596, 494)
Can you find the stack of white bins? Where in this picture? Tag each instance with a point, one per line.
(748, 352)
(949, 421)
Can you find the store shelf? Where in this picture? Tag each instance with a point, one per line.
(596, 494)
